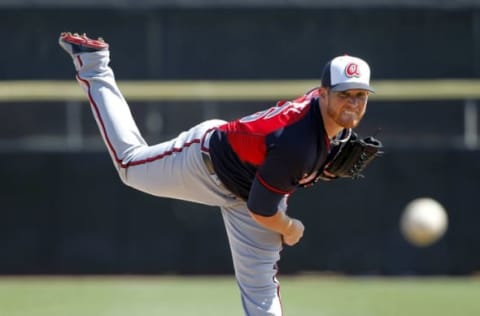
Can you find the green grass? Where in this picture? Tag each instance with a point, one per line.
(178, 296)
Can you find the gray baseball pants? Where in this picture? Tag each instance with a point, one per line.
(176, 169)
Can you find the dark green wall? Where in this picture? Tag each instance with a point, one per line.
(247, 43)
(69, 213)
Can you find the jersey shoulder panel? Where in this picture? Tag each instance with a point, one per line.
(247, 135)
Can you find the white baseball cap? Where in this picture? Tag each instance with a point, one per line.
(345, 73)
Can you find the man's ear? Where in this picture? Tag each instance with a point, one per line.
(322, 92)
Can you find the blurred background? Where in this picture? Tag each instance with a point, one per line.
(65, 211)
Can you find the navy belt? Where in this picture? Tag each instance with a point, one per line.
(207, 159)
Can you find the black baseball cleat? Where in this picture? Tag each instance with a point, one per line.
(75, 44)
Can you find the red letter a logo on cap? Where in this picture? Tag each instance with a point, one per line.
(351, 70)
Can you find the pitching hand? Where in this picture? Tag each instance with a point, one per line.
(293, 232)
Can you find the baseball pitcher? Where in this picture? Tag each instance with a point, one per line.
(247, 167)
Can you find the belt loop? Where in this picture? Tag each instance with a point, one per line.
(207, 159)
(205, 142)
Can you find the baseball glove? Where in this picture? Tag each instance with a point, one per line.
(352, 158)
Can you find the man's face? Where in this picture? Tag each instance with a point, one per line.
(347, 108)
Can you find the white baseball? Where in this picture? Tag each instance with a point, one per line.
(423, 222)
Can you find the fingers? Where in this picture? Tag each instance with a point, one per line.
(294, 233)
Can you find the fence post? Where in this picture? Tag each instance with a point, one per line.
(73, 122)
(470, 125)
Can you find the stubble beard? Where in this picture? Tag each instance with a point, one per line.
(344, 118)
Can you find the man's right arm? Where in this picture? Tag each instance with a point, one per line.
(291, 229)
